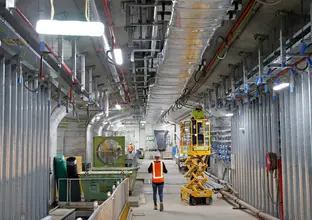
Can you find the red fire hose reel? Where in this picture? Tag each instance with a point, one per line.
(271, 161)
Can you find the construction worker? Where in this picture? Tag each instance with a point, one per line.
(197, 114)
(158, 168)
(130, 148)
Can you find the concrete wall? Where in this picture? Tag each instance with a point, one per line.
(71, 137)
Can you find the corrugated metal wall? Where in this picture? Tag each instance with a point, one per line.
(257, 131)
(296, 133)
(24, 156)
(254, 133)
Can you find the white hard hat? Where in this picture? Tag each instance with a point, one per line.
(130, 143)
(157, 154)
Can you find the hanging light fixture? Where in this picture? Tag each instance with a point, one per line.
(280, 85)
(118, 107)
(118, 56)
(70, 28)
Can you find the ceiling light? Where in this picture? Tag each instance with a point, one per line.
(118, 56)
(280, 86)
(143, 122)
(70, 28)
(118, 107)
(229, 114)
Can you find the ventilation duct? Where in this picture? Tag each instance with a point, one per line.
(190, 29)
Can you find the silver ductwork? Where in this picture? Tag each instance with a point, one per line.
(192, 25)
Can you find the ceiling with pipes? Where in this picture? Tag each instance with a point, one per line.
(176, 54)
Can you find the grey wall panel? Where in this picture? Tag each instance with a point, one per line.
(24, 133)
(283, 126)
(254, 133)
(296, 131)
(2, 108)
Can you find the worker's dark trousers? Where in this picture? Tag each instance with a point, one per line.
(200, 136)
(160, 188)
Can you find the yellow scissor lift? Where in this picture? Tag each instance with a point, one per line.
(197, 147)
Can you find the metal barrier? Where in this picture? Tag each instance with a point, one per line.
(89, 189)
(113, 206)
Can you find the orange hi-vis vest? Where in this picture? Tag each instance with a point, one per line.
(158, 172)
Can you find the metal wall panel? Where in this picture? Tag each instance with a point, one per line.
(254, 133)
(24, 133)
(296, 132)
(283, 126)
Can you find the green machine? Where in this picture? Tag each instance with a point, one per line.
(109, 151)
(108, 168)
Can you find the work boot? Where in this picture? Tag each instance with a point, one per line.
(161, 206)
(155, 207)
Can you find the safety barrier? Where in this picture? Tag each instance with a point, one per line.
(113, 207)
(85, 189)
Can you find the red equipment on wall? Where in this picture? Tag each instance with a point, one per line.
(271, 161)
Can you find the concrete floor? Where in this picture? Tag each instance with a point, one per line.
(174, 207)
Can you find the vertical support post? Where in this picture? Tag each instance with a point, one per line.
(210, 98)
(129, 30)
(232, 79)
(246, 84)
(100, 98)
(215, 96)
(60, 50)
(244, 75)
(155, 29)
(74, 59)
(96, 89)
(260, 38)
(90, 84)
(41, 7)
(260, 59)
(311, 17)
(82, 72)
(145, 71)
(106, 103)
(282, 40)
(134, 80)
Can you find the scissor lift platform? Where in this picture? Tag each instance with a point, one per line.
(195, 142)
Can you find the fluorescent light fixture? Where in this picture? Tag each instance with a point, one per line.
(143, 122)
(280, 86)
(118, 107)
(70, 28)
(118, 56)
(229, 114)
